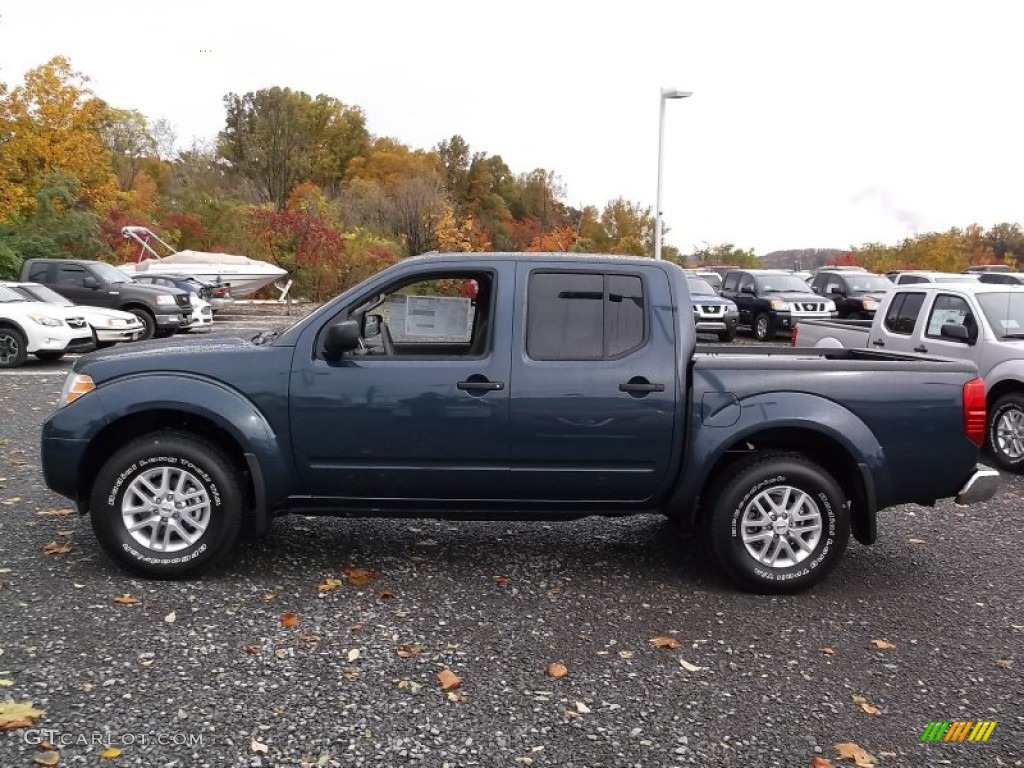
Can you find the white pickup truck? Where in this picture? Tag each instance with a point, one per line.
(33, 328)
(980, 322)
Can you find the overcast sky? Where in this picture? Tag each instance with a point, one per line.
(812, 124)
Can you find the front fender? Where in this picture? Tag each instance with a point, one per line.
(762, 413)
(81, 422)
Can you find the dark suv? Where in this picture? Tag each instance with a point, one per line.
(856, 294)
(772, 300)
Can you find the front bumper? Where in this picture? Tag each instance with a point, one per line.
(980, 486)
(81, 344)
(178, 320)
(117, 335)
(788, 319)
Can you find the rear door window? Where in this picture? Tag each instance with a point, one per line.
(901, 316)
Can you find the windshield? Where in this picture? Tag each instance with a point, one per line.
(9, 294)
(42, 293)
(1004, 312)
(109, 273)
(781, 284)
(699, 287)
(868, 284)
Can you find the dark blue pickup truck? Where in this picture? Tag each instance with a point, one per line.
(473, 386)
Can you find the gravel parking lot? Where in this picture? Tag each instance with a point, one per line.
(928, 625)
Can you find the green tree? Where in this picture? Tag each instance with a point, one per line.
(125, 132)
(725, 253)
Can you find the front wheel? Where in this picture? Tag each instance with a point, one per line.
(148, 322)
(13, 348)
(1006, 432)
(167, 505)
(778, 523)
(726, 336)
(763, 327)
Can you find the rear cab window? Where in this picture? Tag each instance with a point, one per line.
(901, 317)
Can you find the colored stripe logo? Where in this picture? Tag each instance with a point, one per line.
(959, 730)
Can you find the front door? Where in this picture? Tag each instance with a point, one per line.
(422, 412)
(70, 282)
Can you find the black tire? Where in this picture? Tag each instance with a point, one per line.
(726, 336)
(210, 482)
(770, 475)
(148, 322)
(1007, 416)
(48, 356)
(763, 329)
(13, 347)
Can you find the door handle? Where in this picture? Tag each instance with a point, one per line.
(878, 343)
(921, 348)
(638, 386)
(478, 385)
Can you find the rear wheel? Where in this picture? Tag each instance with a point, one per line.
(763, 327)
(13, 350)
(167, 505)
(148, 322)
(778, 523)
(1006, 432)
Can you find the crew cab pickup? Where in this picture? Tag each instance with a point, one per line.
(163, 311)
(516, 386)
(978, 322)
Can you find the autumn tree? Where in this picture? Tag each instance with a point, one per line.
(277, 138)
(125, 132)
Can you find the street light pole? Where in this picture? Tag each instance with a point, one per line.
(666, 93)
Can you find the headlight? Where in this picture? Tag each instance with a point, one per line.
(112, 322)
(51, 322)
(779, 304)
(830, 306)
(164, 299)
(870, 304)
(75, 385)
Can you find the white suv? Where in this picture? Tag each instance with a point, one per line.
(31, 327)
(110, 326)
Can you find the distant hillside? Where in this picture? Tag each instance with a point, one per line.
(800, 258)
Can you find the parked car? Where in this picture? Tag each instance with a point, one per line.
(198, 292)
(98, 284)
(979, 322)
(34, 328)
(987, 269)
(109, 326)
(565, 386)
(855, 293)
(772, 300)
(1002, 278)
(218, 295)
(712, 313)
(915, 277)
(709, 276)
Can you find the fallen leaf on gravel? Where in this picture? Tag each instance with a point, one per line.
(125, 599)
(252, 650)
(359, 576)
(53, 548)
(866, 705)
(10, 501)
(849, 750)
(358, 627)
(411, 685)
(17, 714)
(63, 512)
(386, 594)
(501, 581)
(625, 654)
(821, 762)
(449, 680)
(5, 683)
(6, 570)
(329, 585)
(258, 747)
(110, 753)
(557, 670)
(917, 541)
(409, 650)
(268, 596)
(1004, 663)
(65, 533)
(883, 645)
(661, 641)
(353, 654)
(289, 620)
(308, 638)
(17, 462)
(690, 667)
(46, 758)
(828, 651)
(282, 653)
(170, 617)
(582, 708)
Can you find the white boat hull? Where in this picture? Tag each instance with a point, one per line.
(244, 281)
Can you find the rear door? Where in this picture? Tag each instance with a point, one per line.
(898, 329)
(594, 382)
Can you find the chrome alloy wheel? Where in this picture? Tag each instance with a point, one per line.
(781, 526)
(166, 509)
(1010, 434)
(9, 349)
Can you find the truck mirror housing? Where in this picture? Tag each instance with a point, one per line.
(954, 331)
(341, 337)
(90, 282)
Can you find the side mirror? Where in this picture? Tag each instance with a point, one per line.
(747, 289)
(372, 326)
(955, 331)
(90, 282)
(341, 338)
